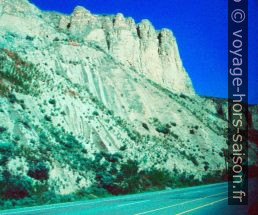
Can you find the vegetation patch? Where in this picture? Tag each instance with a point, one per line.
(17, 74)
(39, 170)
(160, 127)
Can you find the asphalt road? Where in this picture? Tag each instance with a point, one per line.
(208, 199)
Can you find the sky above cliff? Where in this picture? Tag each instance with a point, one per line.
(200, 28)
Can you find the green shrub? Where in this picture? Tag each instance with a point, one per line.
(110, 112)
(6, 147)
(97, 191)
(14, 187)
(163, 129)
(144, 125)
(52, 102)
(194, 160)
(112, 157)
(29, 38)
(128, 179)
(159, 127)
(122, 182)
(192, 131)
(173, 124)
(157, 178)
(183, 96)
(6, 151)
(39, 171)
(123, 148)
(70, 141)
(12, 98)
(206, 165)
(43, 137)
(220, 111)
(174, 135)
(47, 118)
(26, 124)
(2, 129)
(213, 177)
(130, 168)
(95, 113)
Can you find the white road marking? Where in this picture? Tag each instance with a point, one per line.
(170, 206)
(93, 196)
(41, 209)
(61, 205)
(133, 203)
(202, 206)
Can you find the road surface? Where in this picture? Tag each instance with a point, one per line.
(207, 199)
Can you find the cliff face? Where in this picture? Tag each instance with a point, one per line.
(74, 86)
(150, 52)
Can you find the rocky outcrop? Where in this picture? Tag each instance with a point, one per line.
(153, 53)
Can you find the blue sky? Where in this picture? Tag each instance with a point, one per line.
(200, 28)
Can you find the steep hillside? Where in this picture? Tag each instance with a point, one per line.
(95, 104)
